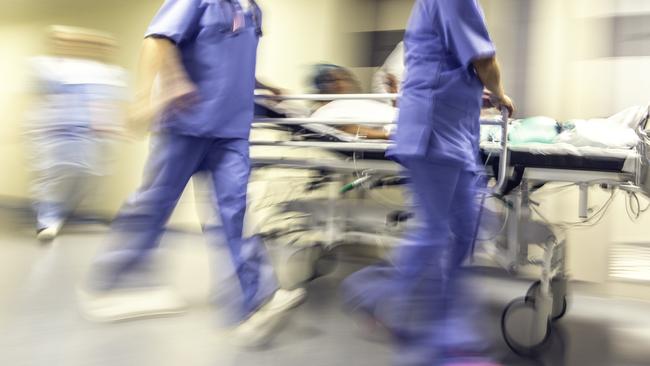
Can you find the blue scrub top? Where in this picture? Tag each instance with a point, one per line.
(219, 60)
(441, 95)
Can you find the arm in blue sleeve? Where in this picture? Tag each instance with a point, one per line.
(176, 20)
(468, 35)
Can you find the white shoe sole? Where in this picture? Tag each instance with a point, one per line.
(259, 329)
(130, 305)
(298, 296)
(50, 233)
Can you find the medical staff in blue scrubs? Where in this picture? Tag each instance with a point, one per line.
(203, 55)
(421, 297)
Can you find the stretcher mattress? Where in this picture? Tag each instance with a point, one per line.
(563, 156)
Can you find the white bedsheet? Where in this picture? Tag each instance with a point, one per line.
(562, 149)
(615, 132)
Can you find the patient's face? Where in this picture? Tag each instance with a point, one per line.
(343, 82)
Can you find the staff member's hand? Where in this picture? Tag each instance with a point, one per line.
(503, 101)
(140, 113)
(179, 94)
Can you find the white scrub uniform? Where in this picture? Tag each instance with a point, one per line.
(72, 129)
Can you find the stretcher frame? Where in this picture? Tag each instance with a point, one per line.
(547, 297)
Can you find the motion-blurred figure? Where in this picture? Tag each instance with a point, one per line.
(421, 297)
(203, 54)
(76, 120)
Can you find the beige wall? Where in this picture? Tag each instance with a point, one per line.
(572, 76)
(298, 34)
(564, 79)
(393, 14)
(22, 37)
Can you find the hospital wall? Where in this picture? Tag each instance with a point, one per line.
(564, 60)
(590, 58)
(297, 34)
(22, 33)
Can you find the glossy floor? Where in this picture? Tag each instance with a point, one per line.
(40, 323)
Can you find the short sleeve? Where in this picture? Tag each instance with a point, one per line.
(176, 20)
(466, 31)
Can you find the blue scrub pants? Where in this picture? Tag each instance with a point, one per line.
(173, 160)
(421, 296)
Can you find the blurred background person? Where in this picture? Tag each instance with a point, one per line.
(76, 120)
(421, 298)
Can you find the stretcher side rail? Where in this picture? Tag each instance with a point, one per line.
(328, 97)
(502, 179)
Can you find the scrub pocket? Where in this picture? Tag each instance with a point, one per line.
(218, 17)
(450, 111)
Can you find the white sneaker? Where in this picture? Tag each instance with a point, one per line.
(50, 232)
(283, 300)
(118, 305)
(258, 330)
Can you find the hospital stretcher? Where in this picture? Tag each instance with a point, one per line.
(517, 171)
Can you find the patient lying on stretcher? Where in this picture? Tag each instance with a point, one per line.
(332, 79)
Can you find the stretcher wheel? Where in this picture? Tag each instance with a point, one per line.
(517, 327)
(559, 308)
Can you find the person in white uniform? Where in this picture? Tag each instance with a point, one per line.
(76, 120)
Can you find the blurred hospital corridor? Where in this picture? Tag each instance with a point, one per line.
(325, 182)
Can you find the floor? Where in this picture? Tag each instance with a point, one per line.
(40, 323)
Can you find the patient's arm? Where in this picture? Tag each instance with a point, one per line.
(273, 90)
(371, 133)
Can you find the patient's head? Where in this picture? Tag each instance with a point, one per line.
(333, 79)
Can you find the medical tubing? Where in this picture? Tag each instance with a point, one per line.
(597, 216)
(354, 184)
(503, 226)
(633, 206)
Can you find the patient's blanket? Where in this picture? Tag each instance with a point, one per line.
(617, 131)
(534, 130)
(358, 110)
(538, 130)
